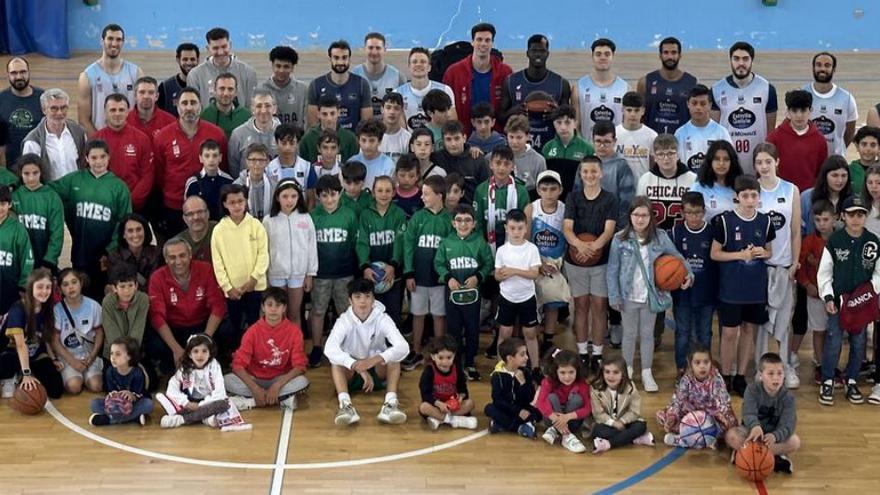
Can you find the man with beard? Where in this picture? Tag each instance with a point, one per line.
(291, 95)
(834, 108)
(107, 75)
(535, 77)
(146, 116)
(745, 103)
(599, 95)
(199, 228)
(666, 90)
(383, 78)
(415, 90)
(20, 110)
(224, 110)
(176, 155)
(351, 90)
(187, 60)
(222, 61)
(58, 140)
(131, 151)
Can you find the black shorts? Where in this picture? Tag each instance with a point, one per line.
(526, 312)
(732, 315)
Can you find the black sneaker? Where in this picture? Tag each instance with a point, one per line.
(853, 394)
(595, 364)
(782, 464)
(546, 345)
(728, 382)
(585, 361)
(472, 374)
(411, 361)
(99, 420)
(493, 428)
(739, 385)
(537, 376)
(839, 380)
(826, 393)
(492, 350)
(315, 356)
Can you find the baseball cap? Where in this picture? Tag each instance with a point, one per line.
(549, 174)
(854, 203)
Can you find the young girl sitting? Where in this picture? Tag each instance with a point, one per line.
(563, 399)
(617, 409)
(445, 397)
(79, 337)
(700, 389)
(126, 383)
(196, 392)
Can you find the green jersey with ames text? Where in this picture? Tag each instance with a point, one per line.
(424, 231)
(336, 234)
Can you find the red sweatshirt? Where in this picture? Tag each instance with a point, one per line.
(131, 159)
(170, 304)
(800, 157)
(267, 351)
(160, 119)
(177, 158)
(562, 391)
(459, 75)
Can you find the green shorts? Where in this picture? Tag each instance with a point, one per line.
(356, 383)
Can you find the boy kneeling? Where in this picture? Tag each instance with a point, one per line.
(360, 356)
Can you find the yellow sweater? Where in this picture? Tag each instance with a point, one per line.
(240, 252)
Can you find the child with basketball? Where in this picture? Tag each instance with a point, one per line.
(79, 336)
(564, 399)
(700, 389)
(126, 384)
(617, 409)
(513, 390)
(196, 392)
(631, 284)
(769, 414)
(365, 349)
(443, 386)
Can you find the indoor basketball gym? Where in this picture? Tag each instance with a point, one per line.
(302, 451)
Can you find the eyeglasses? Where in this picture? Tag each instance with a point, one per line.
(640, 215)
(62, 108)
(196, 213)
(665, 154)
(603, 142)
(258, 160)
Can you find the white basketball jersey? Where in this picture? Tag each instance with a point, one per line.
(778, 204)
(831, 112)
(599, 103)
(412, 102)
(693, 142)
(743, 113)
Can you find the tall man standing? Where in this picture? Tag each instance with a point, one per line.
(666, 90)
(599, 95)
(222, 60)
(834, 109)
(20, 110)
(187, 60)
(383, 78)
(351, 90)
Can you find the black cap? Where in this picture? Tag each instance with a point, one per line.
(854, 203)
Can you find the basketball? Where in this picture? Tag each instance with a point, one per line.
(453, 404)
(381, 285)
(582, 260)
(29, 402)
(669, 272)
(540, 106)
(754, 461)
(698, 430)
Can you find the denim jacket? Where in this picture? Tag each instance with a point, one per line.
(623, 263)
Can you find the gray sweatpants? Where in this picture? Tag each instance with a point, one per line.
(235, 386)
(638, 323)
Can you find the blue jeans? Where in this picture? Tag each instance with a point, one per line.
(141, 406)
(834, 336)
(691, 322)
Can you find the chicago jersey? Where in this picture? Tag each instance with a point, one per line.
(665, 194)
(743, 113)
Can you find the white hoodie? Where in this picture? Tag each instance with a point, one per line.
(352, 339)
(204, 384)
(293, 248)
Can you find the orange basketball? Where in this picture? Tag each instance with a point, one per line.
(669, 272)
(29, 402)
(575, 255)
(754, 461)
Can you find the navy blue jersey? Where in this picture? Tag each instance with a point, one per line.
(354, 95)
(519, 87)
(743, 282)
(696, 247)
(666, 102)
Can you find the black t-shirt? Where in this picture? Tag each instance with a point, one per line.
(590, 215)
(18, 116)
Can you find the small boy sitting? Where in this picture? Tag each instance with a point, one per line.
(365, 349)
(125, 308)
(207, 183)
(512, 392)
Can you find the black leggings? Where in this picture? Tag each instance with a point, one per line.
(799, 318)
(509, 422)
(618, 438)
(42, 369)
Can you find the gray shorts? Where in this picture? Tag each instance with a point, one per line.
(96, 369)
(428, 300)
(325, 288)
(586, 280)
(817, 317)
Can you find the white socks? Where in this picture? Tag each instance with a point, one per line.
(344, 399)
(583, 347)
(391, 398)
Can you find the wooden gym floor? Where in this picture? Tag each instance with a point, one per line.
(303, 452)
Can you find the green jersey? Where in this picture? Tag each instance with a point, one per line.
(7, 178)
(93, 207)
(463, 258)
(337, 235)
(424, 231)
(363, 201)
(481, 208)
(378, 236)
(309, 150)
(16, 261)
(42, 214)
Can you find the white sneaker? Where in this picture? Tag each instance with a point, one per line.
(434, 423)
(793, 360)
(243, 403)
(8, 388)
(629, 372)
(171, 421)
(391, 414)
(792, 381)
(550, 435)
(573, 444)
(210, 421)
(166, 404)
(288, 403)
(346, 415)
(670, 439)
(646, 439)
(874, 398)
(648, 381)
(468, 422)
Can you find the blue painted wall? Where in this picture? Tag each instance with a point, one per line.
(635, 25)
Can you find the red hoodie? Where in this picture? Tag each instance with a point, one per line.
(800, 157)
(131, 159)
(459, 75)
(267, 351)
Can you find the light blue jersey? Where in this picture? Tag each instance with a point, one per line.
(778, 204)
(387, 82)
(718, 198)
(694, 141)
(599, 103)
(412, 102)
(831, 112)
(547, 230)
(104, 84)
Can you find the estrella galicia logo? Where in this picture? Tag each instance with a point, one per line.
(742, 118)
(777, 220)
(824, 124)
(602, 114)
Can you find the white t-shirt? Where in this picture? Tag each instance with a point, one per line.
(636, 147)
(524, 256)
(395, 144)
(79, 341)
(639, 292)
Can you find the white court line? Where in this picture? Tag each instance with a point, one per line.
(247, 465)
(281, 453)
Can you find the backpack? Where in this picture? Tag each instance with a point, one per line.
(442, 58)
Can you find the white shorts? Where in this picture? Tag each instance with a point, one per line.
(817, 317)
(290, 283)
(428, 300)
(97, 368)
(586, 280)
